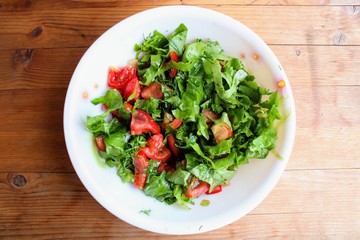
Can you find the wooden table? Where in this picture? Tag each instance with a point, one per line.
(318, 43)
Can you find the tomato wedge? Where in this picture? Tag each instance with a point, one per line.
(173, 56)
(155, 142)
(209, 115)
(176, 123)
(132, 89)
(170, 120)
(100, 143)
(216, 189)
(221, 131)
(197, 189)
(142, 122)
(161, 155)
(128, 107)
(171, 142)
(156, 150)
(139, 179)
(118, 77)
(172, 72)
(167, 167)
(153, 90)
(104, 107)
(140, 163)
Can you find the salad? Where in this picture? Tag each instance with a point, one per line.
(181, 117)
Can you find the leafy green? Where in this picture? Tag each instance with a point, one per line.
(261, 145)
(189, 107)
(179, 176)
(150, 106)
(177, 39)
(206, 79)
(220, 176)
(157, 186)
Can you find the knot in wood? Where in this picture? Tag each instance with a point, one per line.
(353, 10)
(36, 32)
(22, 57)
(339, 39)
(19, 181)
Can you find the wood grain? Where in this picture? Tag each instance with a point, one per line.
(12, 5)
(320, 65)
(304, 66)
(56, 198)
(38, 68)
(325, 111)
(318, 44)
(79, 27)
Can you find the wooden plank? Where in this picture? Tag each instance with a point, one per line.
(79, 27)
(46, 206)
(276, 226)
(16, 5)
(38, 68)
(304, 65)
(309, 191)
(263, 226)
(19, 102)
(327, 118)
(276, 2)
(322, 113)
(21, 5)
(318, 44)
(308, 66)
(32, 151)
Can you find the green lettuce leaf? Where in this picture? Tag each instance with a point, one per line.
(177, 39)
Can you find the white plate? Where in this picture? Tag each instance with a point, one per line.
(252, 183)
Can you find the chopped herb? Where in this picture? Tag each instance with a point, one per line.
(146, 211)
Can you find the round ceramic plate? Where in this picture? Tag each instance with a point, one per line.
(252, 183)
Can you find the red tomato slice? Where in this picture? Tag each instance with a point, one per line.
(128, 107)
(142, 122)
(140, 180)
(198, 190)
(117, 115)
(172, 72)
(104, 107)
(153, 90)
(221, 131)
(155, 148)
(140, 163)
(176, 123)
(100, 143)
(132, 87)
(208, 114)
(118, 77)
(216, 189)
(173, 56)
(161, 155)
(156, 142)
(171, 142)
(165, 166)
